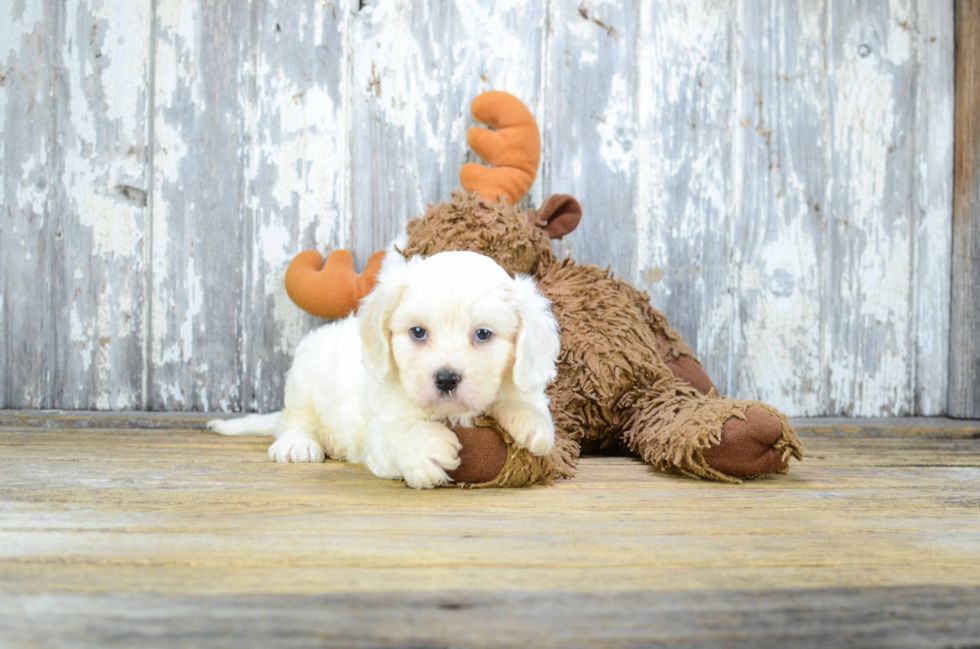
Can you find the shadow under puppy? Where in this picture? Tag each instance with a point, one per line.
(439, 342)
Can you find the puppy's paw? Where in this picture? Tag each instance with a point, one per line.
(426, 461)
(533, 432)
(296, 450)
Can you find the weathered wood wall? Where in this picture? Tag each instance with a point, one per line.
(964, 336)
(777, 174)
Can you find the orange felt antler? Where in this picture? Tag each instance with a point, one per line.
(333, 288)
(512, 149)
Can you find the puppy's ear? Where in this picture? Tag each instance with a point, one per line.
(374, 317)
(538, 343)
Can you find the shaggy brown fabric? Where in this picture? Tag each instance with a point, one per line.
(497, 230)
(613, 386)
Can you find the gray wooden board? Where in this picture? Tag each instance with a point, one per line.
(778, 238)
(178, 538)
(99, 165)
(870, 427)
(589, 130)
(777, 176)
(933, 186)
(415, 69)
(820, 617)
(868, 332)
(29, 227)
(684, 206)
(296, 175)
(964, 350)
(197, 205)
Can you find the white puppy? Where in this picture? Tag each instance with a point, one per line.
(438, 340)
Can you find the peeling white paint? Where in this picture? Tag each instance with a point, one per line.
(81, 336)
(195, 300)
(31, 195)
(16, 27)
(615, 128)
(353, 124)
(779, 287)
(874, 366)
(674, 47)
(386, 76)
(935, 91)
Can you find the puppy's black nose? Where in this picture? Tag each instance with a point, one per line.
(447, 380)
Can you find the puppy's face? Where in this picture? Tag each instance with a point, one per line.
(452, 329)
(451, 348)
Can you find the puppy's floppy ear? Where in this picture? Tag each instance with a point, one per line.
(374, 317)
(538, 343)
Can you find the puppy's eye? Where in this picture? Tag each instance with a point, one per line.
(483, 335)
(418, 333)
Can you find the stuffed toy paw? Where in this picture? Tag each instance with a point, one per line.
(490, 458)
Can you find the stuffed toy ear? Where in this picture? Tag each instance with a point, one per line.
(512, 149)
(331, 289)
(559, 215)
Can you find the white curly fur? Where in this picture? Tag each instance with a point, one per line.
(363, 389)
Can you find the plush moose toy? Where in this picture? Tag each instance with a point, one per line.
(626, 380)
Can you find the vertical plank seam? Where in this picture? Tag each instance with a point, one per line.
(147, 329)
(950, 364)
(348, 100)
(346, 175)
(544, 88)
(637, 177)
(250, 55)
(914, 217)
(735, 189)
(51, 376)
(950, 397)
(829, 319)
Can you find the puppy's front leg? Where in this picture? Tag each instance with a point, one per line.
(527, 419)
(296, 445)
(420, 453)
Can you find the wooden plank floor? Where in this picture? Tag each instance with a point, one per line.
(176, 537)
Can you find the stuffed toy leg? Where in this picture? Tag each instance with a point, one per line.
(739, 439)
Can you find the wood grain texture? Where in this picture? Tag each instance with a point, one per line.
(296, 175)
(416, 69)
(888, 427)
(590, 129)
(124, 529)
(818, 617)
(964, 338)
(780, 179)
(29, 35)
(684, 204)
(934, 100)
(101, 202)
(868, 332)
(777, 176)
(198, 248)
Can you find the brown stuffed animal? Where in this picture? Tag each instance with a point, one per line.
(626, 380)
